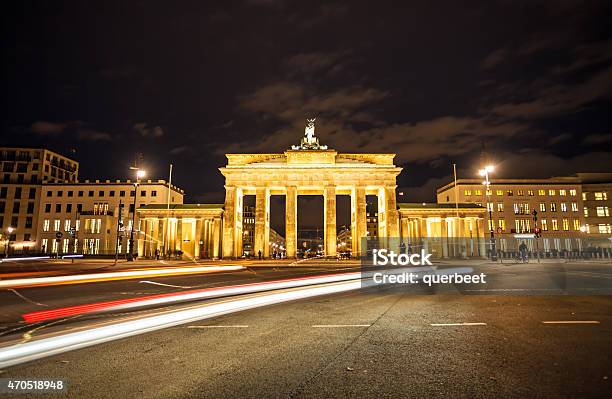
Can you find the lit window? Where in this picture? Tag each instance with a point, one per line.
(603, 211)
(553, 207)
(530, 193)
(562, 193)
(574, 207)
(565, 224)
(46, 225)
(520, 192)
(572, 192)
(604, 229)
(499, 192)
(551, 192)
(586, 212)
(66, 224)
(563, 207)
(544, 225)
(576, 224)
(44, 245)
(509, 192)
(467, 193)
(477, 192)
(516, 209)
(542, 207)
(491, 224)
(501, 223)
(490, 206)
(77, 223)
(489, 192)
(555, 224)
(541, 192)
(584, 196)
(601, 196)
(500, 207)
(56, 225)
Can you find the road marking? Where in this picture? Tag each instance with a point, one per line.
(571, 322)
(163, 285)
(236, 326)
(456, 324)
(340, 325)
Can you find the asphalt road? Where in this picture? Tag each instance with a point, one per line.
(383, 342)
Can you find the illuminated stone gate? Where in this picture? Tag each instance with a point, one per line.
(308, 169)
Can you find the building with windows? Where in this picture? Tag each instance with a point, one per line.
(597, 199)
(24, 172)
(567, 208)
(87, 217)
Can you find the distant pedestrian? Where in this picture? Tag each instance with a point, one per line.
(157, 254)
(259, 254)
(523, 251)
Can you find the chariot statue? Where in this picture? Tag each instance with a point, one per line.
(309, 141)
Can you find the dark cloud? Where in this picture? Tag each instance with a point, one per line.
(596, 139)
(494, 59)
(47, 128)
(146, 131)
(92, 135)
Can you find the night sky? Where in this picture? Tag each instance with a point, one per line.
(186, 82)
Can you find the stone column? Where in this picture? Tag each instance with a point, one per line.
(197, 238)
(238, 225)
(330, 221)
(205, 252)
(462, 240)
(382, 216)
(423, 233)
(482, 246)
(291, 221)
(262, 222)
(359, 224)
(444, 236)
(405, 230)
(392, 213)
(179, 234)
(210, 238)
(216, 235)
(229, 222)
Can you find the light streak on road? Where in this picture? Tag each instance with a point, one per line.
(44, 347)
(109, 276)
(22, 259)
(174, 297)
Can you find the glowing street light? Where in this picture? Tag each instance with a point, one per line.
(139, 175)
(484, 172)
(7, 244)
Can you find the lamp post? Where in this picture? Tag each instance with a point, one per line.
(139, 175)
(484, 172)
(10, 230)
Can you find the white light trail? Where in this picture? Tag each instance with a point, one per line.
(30, 282)
(44, 347)
(28, 258)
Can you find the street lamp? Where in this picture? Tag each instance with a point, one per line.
(139, 175)
(10, 230)
(484, 172)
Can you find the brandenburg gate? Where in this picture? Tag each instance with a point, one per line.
(308, 169)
